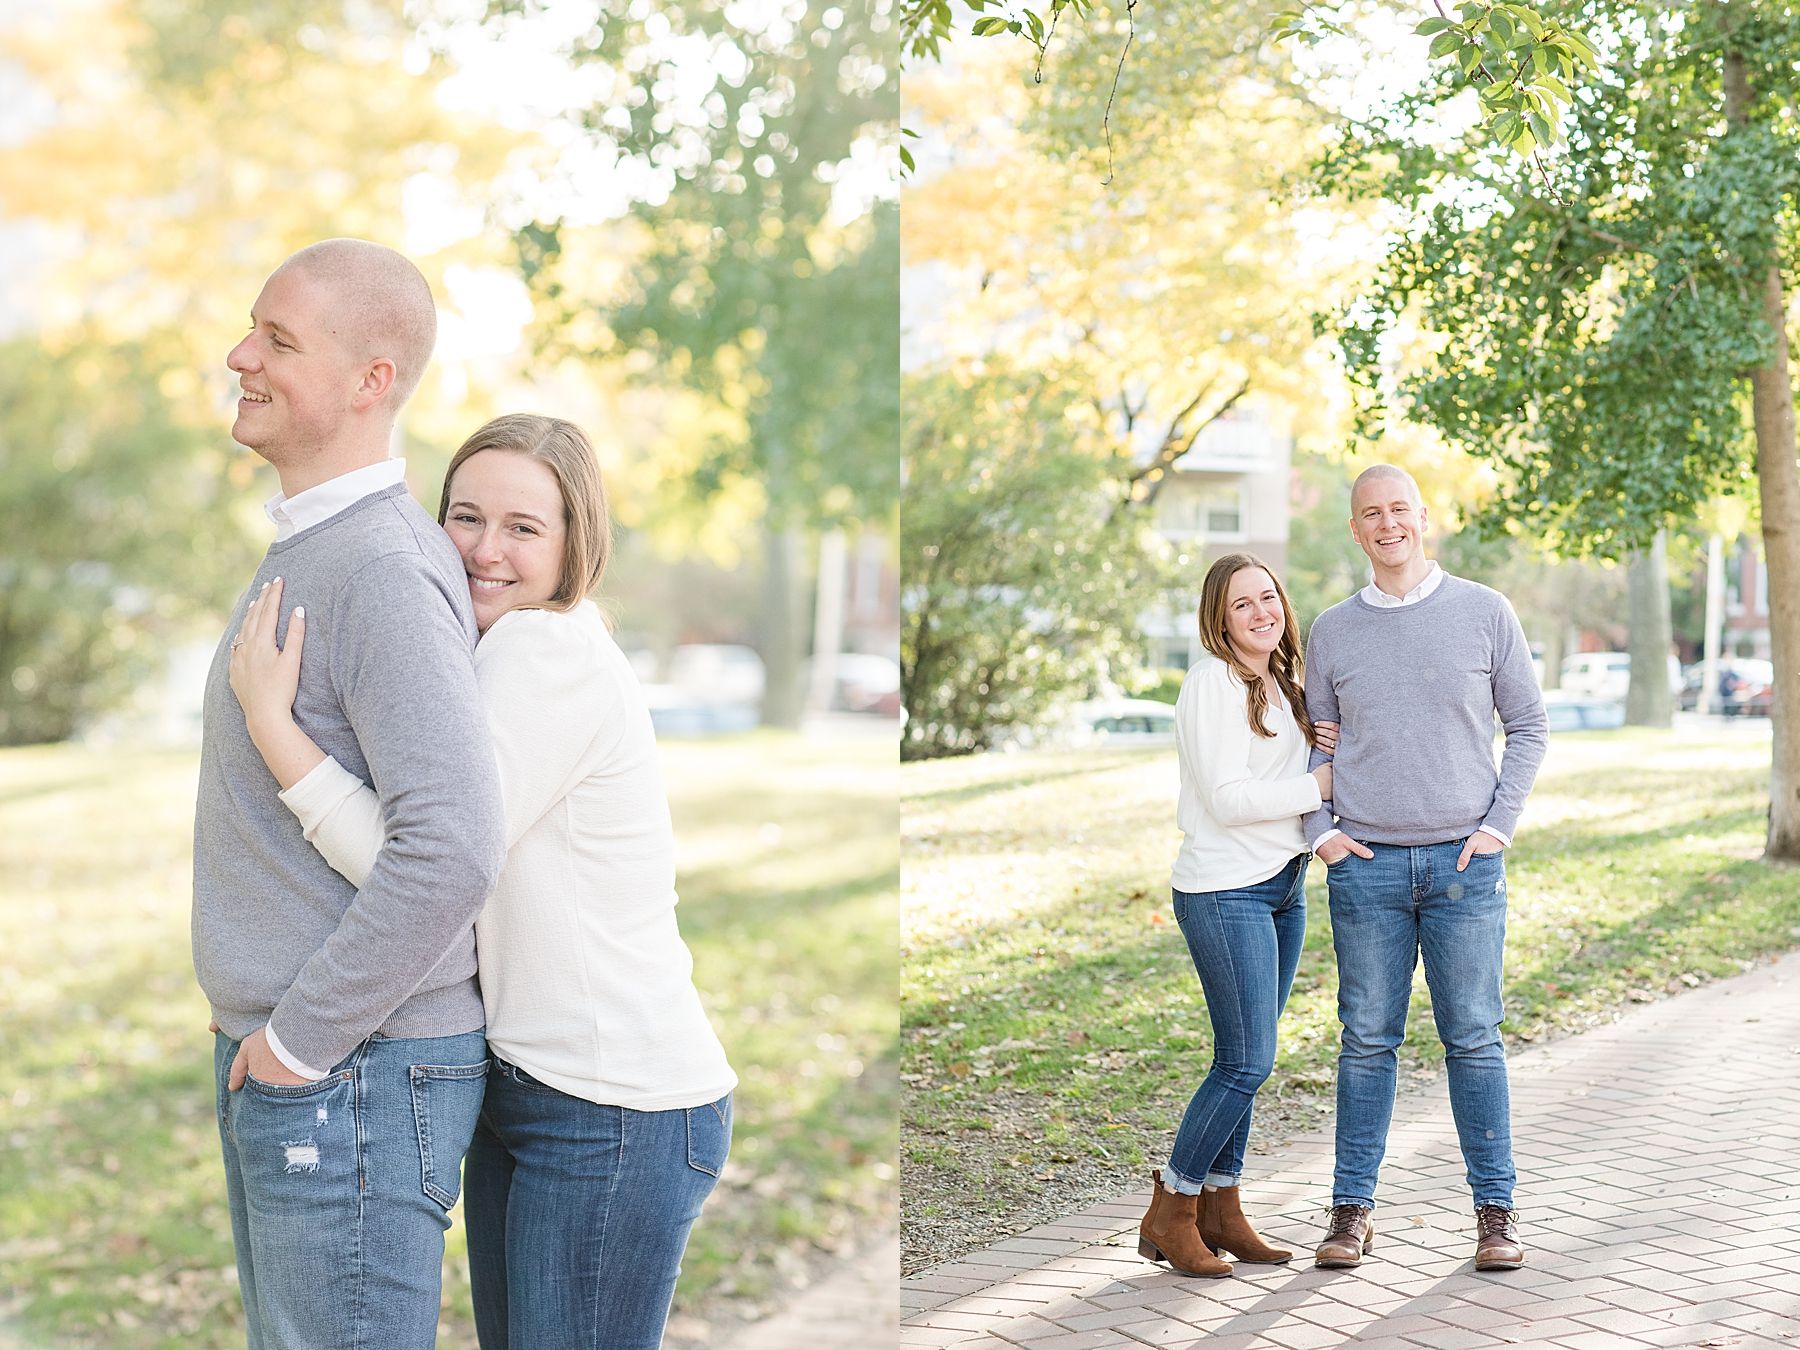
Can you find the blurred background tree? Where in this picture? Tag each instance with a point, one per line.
(765, 265)
(119, 527)
(1025, 564)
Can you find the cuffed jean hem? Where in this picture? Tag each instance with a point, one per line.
(1174, 1181)
(1219, 1181)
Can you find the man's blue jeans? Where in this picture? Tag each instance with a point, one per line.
(1246, 946)
(579, 1213)
(340, 1191)
(1386, 912)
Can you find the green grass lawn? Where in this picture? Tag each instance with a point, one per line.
(113, 1228)
(1054, 1027)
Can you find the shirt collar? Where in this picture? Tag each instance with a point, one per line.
(306, 509)
(1382, 600)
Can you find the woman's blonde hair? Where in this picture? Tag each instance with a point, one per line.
(563, 448)
(1284, 662)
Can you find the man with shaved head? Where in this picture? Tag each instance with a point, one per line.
(1414, 667)
(350, 1057)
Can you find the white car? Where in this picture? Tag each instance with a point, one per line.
(1607, 674)
(1117, 722)
(717, 672)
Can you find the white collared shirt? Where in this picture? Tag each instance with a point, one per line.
(1379, 598)
(306, 509)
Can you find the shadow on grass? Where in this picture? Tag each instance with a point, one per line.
(715, 899)
(112, 1184)
(1101, 761)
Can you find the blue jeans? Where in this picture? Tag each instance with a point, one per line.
(1385, 912)
(578, 1214)
(340, 1191)
(1246, 946)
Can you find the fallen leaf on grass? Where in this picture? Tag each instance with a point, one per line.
(1079, 1038)
(960, 1068)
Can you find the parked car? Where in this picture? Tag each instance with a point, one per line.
(1120, 722)
(717, 672)
(1753, 682)
(867, 684)
(712, 688)
(1607, 674)
(1581, 712)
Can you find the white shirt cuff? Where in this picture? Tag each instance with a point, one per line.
(1322, 838)
(1489, 829)
(312, 798)
(311, 1075)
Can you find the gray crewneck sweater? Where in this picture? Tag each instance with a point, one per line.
(1416, 688)
(387, 688)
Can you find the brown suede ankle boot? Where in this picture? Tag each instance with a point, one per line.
(1169, 1232)
(1225, 1229)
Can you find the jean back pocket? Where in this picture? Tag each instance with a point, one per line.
(446, 1102)
(709, 1136)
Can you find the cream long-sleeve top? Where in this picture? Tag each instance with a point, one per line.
(586, 981)
(1242, 795)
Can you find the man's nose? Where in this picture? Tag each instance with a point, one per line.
(242, 358)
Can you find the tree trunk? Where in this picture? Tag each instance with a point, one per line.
(1715, 625)
(1778, 475)
(781, 637)
(1647, 700)
(1772, 400)
(828, 622)
(1554, 633)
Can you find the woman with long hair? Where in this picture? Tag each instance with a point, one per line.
(1239, 881)
(607, 1116)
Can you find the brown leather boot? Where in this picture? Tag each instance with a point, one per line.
(1169, 1232)
(1352, 1233)
(1497, 1239)
(1225, 1229)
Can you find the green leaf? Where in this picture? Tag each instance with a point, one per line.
(906, 159)
(1445, 43)
(988, 27)
(1468, 58)
(1541, 129)
(1505, 127)
(1502, 23)
(1432, 25)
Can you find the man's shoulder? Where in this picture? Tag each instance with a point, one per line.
(385, 532)
(1343, 612)
(1473, 595)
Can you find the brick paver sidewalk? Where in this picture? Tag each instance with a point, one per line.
(851, 1309)
(1659, 1169)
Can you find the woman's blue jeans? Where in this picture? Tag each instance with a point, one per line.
(1246, 946)
(579, 1213)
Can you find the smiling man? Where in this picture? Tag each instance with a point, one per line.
(1414, 667)
(350, 1057)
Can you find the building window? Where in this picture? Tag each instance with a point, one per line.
(1224, 513)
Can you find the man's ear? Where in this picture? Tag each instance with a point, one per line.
(377, 379)
(1424, 519)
